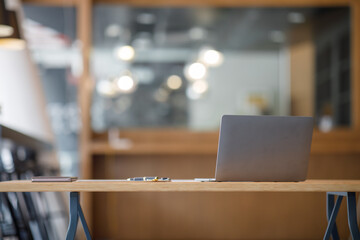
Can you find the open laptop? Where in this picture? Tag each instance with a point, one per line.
(263, 148)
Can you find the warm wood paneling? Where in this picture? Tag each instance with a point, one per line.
(302, 70)
(331, 166)
(212, 215)
(355, 61)
(85, 83)
(84, 34)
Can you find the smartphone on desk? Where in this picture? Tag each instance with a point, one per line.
(53, 179)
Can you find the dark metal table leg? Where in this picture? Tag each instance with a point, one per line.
(330, 201)
(333, 211)
(83, 222)
(74, 217)
(332, 219)
(351, 209)
(75, 213)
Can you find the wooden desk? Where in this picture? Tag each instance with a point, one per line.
(126, 186)
(340, 188)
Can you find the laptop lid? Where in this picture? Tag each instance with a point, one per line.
(263, 148)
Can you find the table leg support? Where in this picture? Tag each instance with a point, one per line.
(83, 222)
(330, 201)
(332, 212)
(351, 209)
(75, 213)
(331, 228)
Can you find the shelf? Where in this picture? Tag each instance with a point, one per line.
(100, 148)
(340, 141)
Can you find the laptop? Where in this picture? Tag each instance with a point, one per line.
(263, 148)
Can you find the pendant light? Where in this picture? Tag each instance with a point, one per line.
(5, 28)
(14, 40)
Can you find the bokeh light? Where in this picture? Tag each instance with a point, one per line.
(125, 53)
(174, 82)
(125, 84)
(195, 71)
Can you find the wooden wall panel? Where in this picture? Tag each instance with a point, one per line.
(355, 61)
(212, 215)
(334, 166)
(302, 70)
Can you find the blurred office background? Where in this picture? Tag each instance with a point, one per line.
(139, 89)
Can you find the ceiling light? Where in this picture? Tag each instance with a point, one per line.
(12, 39)
(6, 29)
(105, 88)
(125, 83)
(211, 57)
(12, 43)
(195, 71)
(296, 17)
(125, 53)
(174, 82)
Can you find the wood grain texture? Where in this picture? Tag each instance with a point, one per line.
(355, 61)
(85, 88)
(120, 186)
(302, 70)
(212, 215)
(84, 16)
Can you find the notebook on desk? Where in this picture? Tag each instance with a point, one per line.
(263, 148)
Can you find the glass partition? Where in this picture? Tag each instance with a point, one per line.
(51, 36)
(185, 67)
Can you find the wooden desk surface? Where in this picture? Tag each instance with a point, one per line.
(124, 186)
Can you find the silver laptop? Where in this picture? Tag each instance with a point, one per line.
(263, 148)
